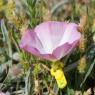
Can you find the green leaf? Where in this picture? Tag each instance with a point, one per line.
(6, 38)
(88, 73)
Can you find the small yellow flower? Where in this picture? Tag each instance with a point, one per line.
(52, 71)
(59, 74)
(60, 78)
(82, 65)
(62, 83)
(10, 7)
(1, 3)
(47, 14)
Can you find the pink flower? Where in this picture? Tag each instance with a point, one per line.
(1, 93)
(51, 40)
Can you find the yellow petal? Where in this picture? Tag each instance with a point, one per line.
(59, 74)
(52, 72)
(60, 78)
(62, 83)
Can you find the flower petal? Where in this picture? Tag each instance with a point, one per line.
(43, 34)
(71, 34)
(1, 93)
(63, 50)
(50, 34)
(31, 43)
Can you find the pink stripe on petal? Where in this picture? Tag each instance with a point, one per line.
(61, 51)
(30, 42)
(50, 34)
